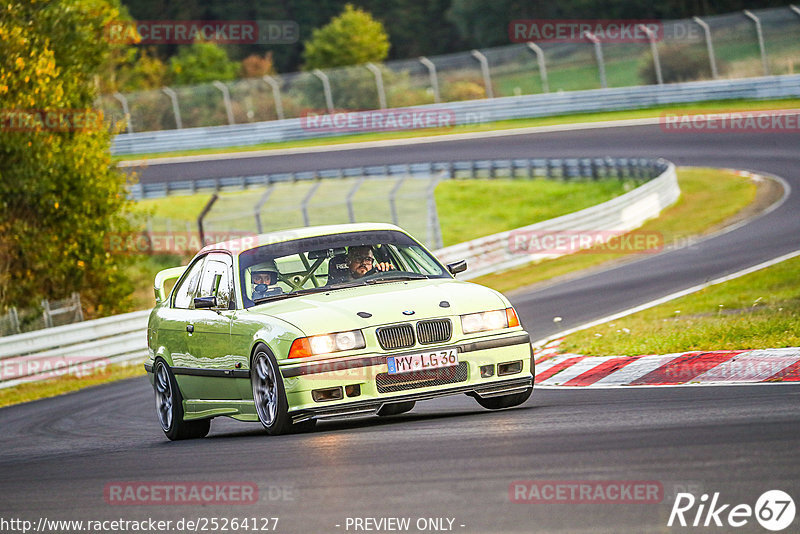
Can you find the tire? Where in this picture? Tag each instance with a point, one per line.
(269, 395)
(169, 407)
(504, 401)
(396, 408)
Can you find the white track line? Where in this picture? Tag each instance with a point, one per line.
(672, 296)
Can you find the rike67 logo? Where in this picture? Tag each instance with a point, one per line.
(774, 510)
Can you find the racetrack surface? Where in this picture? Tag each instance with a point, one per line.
(449, 457)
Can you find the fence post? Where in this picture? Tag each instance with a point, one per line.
(392, 199)
(14, 318)
(260, 205)
(48, 318)
(202, 216)
(598, 53)
(326, 87)
(379, 84)
(276, 95)
(307, 199)
(76, 301)
(173, 96)
(651, 36)
(709, 46)
(432, 75)
(226, 98)
(351, 214)
(749, 14)
(542, 67)
(126, 110)
(487, 78)
(434, 229)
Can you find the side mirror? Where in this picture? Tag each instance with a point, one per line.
(457, 267)
(205, 302)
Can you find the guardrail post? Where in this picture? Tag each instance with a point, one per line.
(176, 110)
(487, 78)
(765, 64)
(226, 98)
(260, 205)
(434, 79)
(351, 214)
(651, 36)
(378, 84)
(709, 46)
(326, 87)
(125, 110)
(276, 95)
(306, 200)
(598, 53)
(542, 67)
(202, 216)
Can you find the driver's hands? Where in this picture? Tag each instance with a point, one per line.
(383, 266)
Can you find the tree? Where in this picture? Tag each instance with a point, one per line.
(352, 38)
(201, 63)
(59, 192)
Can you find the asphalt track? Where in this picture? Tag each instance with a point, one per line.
(450, 458)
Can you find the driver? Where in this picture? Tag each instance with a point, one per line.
(263, 278)
(361, 260)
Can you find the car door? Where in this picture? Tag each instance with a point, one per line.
(209, 334)
(174, 317)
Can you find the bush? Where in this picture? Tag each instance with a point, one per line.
(679, 63)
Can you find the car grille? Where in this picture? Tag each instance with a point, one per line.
(421, 379)
(399, 336)
(435, 331)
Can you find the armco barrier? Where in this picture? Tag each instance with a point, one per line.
(493, 253)
(44, 353)
(475, 111)
(73, 348)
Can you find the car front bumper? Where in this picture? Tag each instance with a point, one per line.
(368, 374)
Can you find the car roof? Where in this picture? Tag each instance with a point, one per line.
(248, 242)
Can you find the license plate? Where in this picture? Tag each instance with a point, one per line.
(420, 362)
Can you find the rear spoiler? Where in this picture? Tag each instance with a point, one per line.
(159, 286)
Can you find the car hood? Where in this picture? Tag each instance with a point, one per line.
(336, 310)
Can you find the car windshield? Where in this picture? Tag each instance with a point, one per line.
(331, 262)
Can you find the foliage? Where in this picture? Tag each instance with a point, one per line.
(59, 193)
(256, 66)
(201, 62)
(678, 64)
(352, 38)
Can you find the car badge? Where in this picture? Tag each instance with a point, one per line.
(408, 312)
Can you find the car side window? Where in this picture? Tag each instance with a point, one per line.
(187, 287)
(216, 280)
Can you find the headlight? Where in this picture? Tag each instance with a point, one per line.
(327, 343)
(489, 320)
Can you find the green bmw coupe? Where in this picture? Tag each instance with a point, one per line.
(292, 327)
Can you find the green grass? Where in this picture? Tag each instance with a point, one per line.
(65, 384)
(708, 198)
(757, 311)
(703, 107)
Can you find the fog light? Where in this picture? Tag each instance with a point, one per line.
(487, 371)
(353, 390)
(509, 368)
(328, 394)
